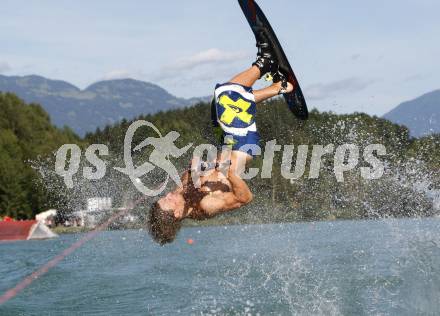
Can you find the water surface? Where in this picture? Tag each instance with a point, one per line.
(387, 267)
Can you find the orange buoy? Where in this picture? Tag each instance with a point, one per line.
(190, 241)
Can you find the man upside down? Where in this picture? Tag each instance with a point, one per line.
(222, 190)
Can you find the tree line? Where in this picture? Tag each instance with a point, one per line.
(28, 141)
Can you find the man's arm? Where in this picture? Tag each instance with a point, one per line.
(240, 196)
(271, 91)
(239, 188)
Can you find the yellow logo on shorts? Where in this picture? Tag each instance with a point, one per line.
(235, 109)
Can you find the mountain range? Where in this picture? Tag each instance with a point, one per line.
(110, 101)
(421, 115)
(100, 104)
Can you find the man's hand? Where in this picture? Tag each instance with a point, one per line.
(178, 213)
(279, 87)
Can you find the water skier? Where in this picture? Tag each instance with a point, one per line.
(234, 109)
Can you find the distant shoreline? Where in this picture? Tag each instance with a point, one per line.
(61, 230)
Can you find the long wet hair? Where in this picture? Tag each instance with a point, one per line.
(162, 225)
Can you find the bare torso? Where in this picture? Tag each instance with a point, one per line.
(211, 189)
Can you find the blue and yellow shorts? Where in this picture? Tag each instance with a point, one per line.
(233, 115)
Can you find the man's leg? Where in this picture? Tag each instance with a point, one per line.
(239, 160)
(265, 63)
(248, 77)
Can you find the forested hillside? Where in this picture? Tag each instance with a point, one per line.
(28, 141)
(398, 193)
(26, 135)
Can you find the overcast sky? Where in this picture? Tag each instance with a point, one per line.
(348, 55)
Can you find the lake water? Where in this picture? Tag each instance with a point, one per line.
(387, 267)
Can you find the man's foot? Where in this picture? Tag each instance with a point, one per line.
(266, 60)
(265, 65)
